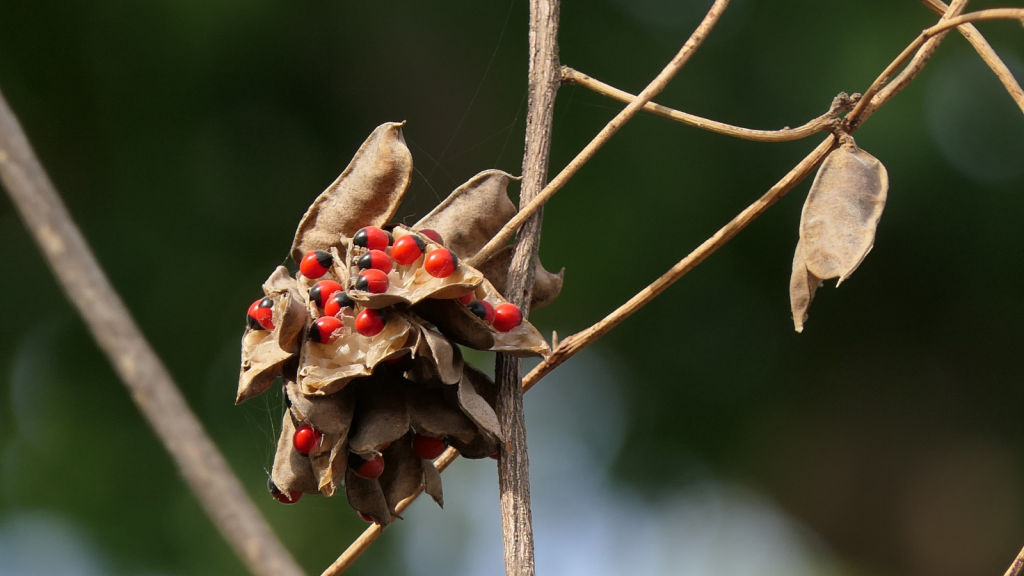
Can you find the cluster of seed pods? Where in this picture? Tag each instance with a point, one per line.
(366, 336)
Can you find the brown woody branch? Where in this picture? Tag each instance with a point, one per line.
(151, 386)
(822, 123)
(970, 32)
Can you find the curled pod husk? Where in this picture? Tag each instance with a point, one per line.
(838, 222)
(264, 353)
(461, 326)
(327, 368)
(403, 473)
(367, 193)
(471, 215)
(411, 283)
(292, 471)
(381, 415)
(330, 414)
(435, 358)
(432, 414)
(366, 496)
(330, 462)
(432, 482)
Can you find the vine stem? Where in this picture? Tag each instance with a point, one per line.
(544, 79)
(148, 381)
(653, 89)
(984, 49)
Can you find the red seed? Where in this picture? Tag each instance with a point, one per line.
(368, 469)
(433, 235)
(427, 447)
(408, 249)
(306, 439)
(336, 302)
(466, 299)
(261, 314)
(371, 237)
(483, 310)
(369, 322)
(506, 317)
(375, 260)
(366, 518)
(440, 263)
(373, 281)
(315, 264)
(493, 456)
(325, 330)
(290, 498)
(322, 291)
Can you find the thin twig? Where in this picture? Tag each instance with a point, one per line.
(869, 102)
(544, 79)
(1016, 565)
(653, 89)
(819, 124)
(970, 32)
(150, 385)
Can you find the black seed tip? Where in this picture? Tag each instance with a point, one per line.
(324, 258)
(361, 238)
(365, 261)
(343, 300)
(391, 238)
(477, 309)
(252, 323)
(266, 303)
(314, 295)
(362, 283)
(455, 259)
(314, 334)
(272, 487)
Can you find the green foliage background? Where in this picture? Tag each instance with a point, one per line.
(188, 137)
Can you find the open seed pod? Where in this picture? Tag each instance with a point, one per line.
(325, 368)
(838, 222)
(459, 324)
(292, 471)
(412, 282)
(264, 352)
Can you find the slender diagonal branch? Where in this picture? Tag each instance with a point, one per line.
(150, 385)
(819, 124)
(970, 32)
(653, 89)
(1016, 565)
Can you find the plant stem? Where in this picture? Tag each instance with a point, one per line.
(154, 392)
(513, 461)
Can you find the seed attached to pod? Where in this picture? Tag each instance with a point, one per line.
(369, 322)
(371, 237)
(368, 469)
(433, 235)
(375, 260)
(261, 314)
(306, 439)
(336, 302)
(365, 518)
(373, 281)
(427, 447)
(325, 329)
(482, 310)
(441, 263)
(466, 299)
(322, 291)
(315, 264)
(506, 317)
(283, 498)
(408, 249)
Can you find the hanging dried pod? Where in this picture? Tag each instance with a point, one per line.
(365, 334)
(838, 222)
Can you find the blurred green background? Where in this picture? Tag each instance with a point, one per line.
(703, 436)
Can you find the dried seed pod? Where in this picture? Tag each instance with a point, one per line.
(477, 395)
(381, 415)
(443, 360)
(367, 193)
(838, 222)
(330, 462)
(292, 472)
(432, 482)
(461, 326)
(366, 497)
(471, 215)
(403, 473)
(413, 283)
(327, 368)
(546, 285)
(432, 414)
(330, 414)
(265, 353)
